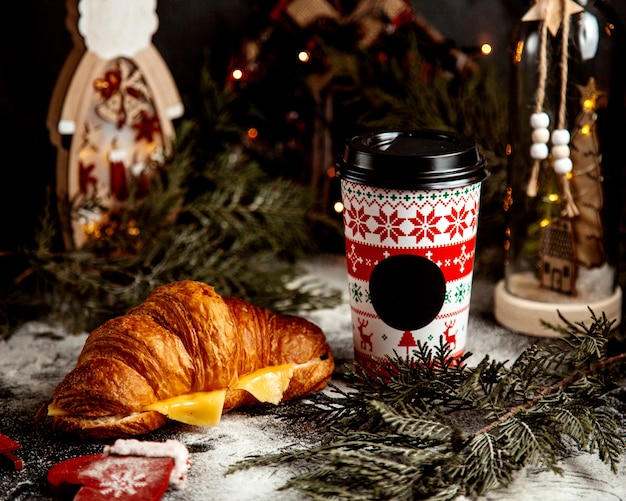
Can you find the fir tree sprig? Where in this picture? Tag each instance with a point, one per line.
(434, 428)
(224, 222)
(211, 213)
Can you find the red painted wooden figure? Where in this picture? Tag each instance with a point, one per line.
(111, 112)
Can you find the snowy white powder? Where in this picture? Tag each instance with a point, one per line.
(38, 355)
(35, 359)
(170, 448)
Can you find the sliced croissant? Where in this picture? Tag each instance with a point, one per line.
(185, 338)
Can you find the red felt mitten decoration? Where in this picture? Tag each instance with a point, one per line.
(7, 446)
(99, 477)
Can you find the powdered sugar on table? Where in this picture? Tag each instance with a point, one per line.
(38, 355)
(35, 359)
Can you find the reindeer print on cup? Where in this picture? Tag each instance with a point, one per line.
(366, 339)
(449, 335)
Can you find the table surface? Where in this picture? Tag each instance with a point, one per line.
(37, 356)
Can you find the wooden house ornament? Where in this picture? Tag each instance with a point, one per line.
(558, 257)
(111, 112)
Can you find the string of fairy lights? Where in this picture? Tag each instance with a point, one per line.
(239, 74)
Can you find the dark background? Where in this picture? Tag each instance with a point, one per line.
(35, 44)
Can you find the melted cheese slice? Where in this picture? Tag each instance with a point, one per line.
(205, 408)
(268, 384)
(198, 409)
(54, 410)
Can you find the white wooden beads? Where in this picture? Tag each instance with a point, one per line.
(540, 135)
(539, 151)
(560, 151)
(539, 120)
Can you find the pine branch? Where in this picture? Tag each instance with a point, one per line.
(430, 428)
(559, 386)
(409, 421)
(227, 224)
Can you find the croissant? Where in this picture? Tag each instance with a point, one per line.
(184, 339)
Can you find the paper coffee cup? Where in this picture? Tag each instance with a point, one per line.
(411, 202)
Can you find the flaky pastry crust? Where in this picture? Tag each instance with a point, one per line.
(183, 338)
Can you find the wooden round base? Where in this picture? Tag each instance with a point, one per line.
(526, 317)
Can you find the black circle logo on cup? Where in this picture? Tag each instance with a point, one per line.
(407, 291)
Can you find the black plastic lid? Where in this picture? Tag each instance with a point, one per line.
(412, 159)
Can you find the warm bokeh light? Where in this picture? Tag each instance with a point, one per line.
(519, 49)
(91, 228)
(237, 74)
(486, 49)
(304, 56)
(553, 197)
(253, 133)
(544, 223)
(331, 172)
(338, 207)
(585, 129)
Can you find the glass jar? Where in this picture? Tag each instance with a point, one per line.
(562, 248)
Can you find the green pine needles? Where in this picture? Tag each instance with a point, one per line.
(212, 213)
(224, 222)
(435, 428)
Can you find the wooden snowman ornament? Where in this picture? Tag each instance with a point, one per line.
(111, 113)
